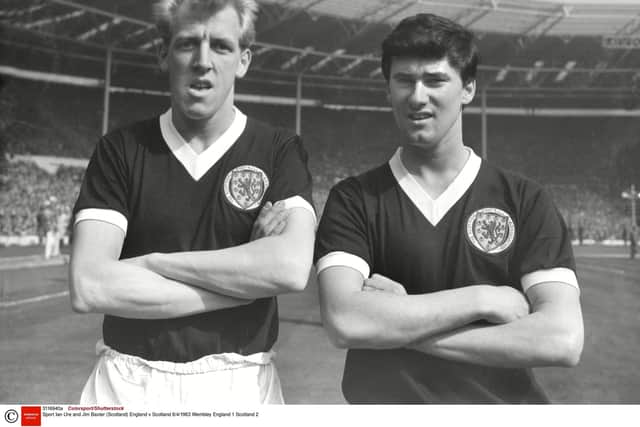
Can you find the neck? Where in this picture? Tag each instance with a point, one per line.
(435, 168)
(200, 134)
(421, 163)
(447, 156)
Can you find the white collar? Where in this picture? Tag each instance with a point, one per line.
(435, 210)
(198, 164)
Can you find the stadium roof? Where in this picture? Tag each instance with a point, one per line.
(527, 18)
(536, 47)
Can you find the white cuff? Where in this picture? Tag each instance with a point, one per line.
(106, 215)
(343, 259)
(560, 274)
(299, 202)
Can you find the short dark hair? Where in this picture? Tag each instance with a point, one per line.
(432, 37)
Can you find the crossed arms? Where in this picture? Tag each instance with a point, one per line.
(545, 330)
(157, 286)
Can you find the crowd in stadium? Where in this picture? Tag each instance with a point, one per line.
(26, 189)
(589, 215)
(340, 144)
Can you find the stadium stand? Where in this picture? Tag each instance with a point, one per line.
(340, 143)
(26, 187)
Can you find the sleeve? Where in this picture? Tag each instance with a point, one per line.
(543, 251)
(342, 238)
(292, 181)
(103, 194)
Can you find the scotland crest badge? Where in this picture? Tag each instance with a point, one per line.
(245, 186)
(491, 230)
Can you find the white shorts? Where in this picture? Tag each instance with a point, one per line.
(227, 378)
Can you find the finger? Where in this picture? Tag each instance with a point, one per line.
(264, 212)
(379, 281)
(383, 279)
(275, 220)
(268, 226)
(268, 213)
(375, 286)
(265, 208)
(279, 228)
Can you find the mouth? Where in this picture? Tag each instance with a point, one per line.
(200, 86)
(420, 116)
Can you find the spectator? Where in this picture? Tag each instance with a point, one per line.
(62, 224)
(40, 224)
(51, 236)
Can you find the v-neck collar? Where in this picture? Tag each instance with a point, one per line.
(198, 164)
(435, 209)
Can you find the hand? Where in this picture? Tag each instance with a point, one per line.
(504, 304)
(380, 283)
(271, 220)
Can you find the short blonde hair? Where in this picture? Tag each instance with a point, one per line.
(164, 12)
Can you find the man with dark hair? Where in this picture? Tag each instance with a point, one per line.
(446, 278)
(176, 238)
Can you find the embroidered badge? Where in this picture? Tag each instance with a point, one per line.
(491, 230)
(245, 186)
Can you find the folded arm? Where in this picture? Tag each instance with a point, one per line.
(359, 313)
(99, 282)
(271, 265)
(551, 335)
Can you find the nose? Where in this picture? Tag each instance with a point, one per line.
(202, 59)
(419, 95)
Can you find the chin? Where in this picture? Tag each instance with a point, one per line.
(198, 113)
(420, 141)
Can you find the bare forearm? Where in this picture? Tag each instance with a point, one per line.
(123, 289)
(258, 269)
(383, 320)
(534, 340)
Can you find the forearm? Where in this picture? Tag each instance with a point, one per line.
(382, 320)
(534, 340)
(262, 268)
(126, 290)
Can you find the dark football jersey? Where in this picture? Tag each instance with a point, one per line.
(488, 227)
(149, 182)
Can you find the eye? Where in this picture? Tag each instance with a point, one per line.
(186, 44)
(434, 81)
(221, 46)
(404, 80)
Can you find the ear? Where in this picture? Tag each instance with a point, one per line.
(468, 92)
(243, 65)
(163, 53)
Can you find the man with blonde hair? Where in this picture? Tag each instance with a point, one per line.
(180, 238)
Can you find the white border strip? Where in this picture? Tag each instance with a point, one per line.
(299, 202)
(343, 259)
(560, 274)
(106, 215)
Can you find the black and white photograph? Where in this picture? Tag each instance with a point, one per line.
(214, 204)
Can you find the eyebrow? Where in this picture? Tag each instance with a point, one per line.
(198, 37)
(430, 75)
